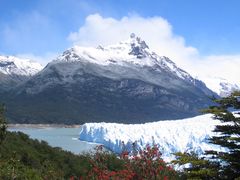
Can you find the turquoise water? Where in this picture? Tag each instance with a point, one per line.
(66, 138)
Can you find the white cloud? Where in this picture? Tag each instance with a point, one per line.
(158, 34)
(155, 30)
(225, 66)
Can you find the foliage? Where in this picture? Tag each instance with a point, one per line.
(25, 158)
(149, 165)
(3, 125)
(223, 164)
(145, 164)
(196, 167)
(106, 165)
(228, 113)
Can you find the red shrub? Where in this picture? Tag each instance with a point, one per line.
(145, 164)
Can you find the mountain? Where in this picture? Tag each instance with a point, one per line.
(14, 71)
(221, 86)
(126, 82)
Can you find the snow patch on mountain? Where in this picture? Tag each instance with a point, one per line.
(11, 65)
(171, 136)
(132, 52)
(127, 59)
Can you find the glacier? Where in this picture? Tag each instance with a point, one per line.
(171, 136)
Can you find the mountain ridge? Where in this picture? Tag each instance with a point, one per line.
(221, 86)
(12, 65)
(14, 71)
(133, 53)
(126, 83)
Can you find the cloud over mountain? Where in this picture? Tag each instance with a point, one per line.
(161, 38)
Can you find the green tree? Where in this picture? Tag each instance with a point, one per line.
(224, 164)
(227, 111)
(3, 125)
(196, 167)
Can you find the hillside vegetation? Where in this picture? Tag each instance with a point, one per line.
(25, 158)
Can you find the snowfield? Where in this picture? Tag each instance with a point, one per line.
(221, 86)
(171, 136)
(11, 65)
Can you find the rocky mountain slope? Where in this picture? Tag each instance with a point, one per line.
(14, 71)
(126, 82)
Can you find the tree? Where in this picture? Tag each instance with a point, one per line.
(215, 164)
(3, 125)
(227, 111)
(224, 164)
(195, 167)
(145, 164)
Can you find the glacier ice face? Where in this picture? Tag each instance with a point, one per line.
(171, 136)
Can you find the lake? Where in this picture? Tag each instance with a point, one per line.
(66, 138)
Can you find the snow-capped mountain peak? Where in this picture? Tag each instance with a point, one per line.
(138, 46)
(131, 58)
(221, 86)
(132, 52)
(11, 65)
(125, 82)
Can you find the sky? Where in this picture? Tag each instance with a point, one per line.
(200, 36)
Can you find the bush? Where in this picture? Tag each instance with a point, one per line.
(145, 164)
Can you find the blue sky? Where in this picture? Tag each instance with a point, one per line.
(42, 26)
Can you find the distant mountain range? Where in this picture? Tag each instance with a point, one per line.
(126, 83)
(221, 86)
(14, 71)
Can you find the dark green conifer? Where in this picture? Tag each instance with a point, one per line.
(228, 112)
(224, 164)
(195, 167)
(3, 125)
